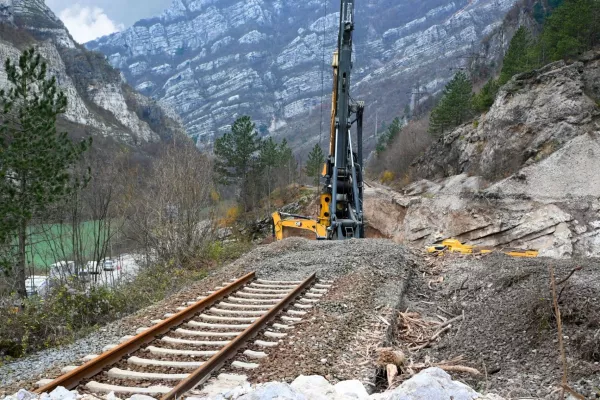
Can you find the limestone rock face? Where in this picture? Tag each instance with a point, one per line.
(98, 100)
(212, 61)
(526, 176)
(534, 115)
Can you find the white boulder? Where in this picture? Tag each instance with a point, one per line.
(350, 390)
(314, 387)
(274, 390)
(429, 384)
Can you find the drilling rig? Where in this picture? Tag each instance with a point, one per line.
(341, 199)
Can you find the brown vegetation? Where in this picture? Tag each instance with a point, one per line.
(395, 161)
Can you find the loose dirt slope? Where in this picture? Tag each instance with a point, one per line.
(509, 330)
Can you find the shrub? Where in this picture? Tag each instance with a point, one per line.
(69, 312)
(387, 177)
(409, 144)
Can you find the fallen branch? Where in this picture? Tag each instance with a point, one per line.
(432, 339)
(392, 372)
(445, 312)
(573, 393)
(453, 320)
(570, 274)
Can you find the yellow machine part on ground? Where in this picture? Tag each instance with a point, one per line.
(281, 221)
(455, 246)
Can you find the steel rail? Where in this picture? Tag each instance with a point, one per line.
(216, 361)
(93, 367)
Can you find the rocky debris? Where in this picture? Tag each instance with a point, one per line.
(212, 61)
(455, 208)
(430, 384)
(97, 99)
(525, 176)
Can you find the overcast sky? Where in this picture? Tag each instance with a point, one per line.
(89, 19)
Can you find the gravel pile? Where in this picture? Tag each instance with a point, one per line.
(296, 258)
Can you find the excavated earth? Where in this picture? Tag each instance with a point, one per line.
(509, 331)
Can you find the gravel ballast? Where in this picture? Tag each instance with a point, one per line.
(292, 259)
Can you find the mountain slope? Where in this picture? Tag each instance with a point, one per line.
(215, 60)
(524, 176)
(99, 102)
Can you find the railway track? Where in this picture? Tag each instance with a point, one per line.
(181, 351)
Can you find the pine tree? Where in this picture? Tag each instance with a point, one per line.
(314, 164)
(518, 58)
(288, 162)
(455, 105)
(270, 157)
(572, 29)
(386, 139)
(483, 100)
(236, 157)
(35, 160)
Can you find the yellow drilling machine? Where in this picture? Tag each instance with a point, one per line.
(340, 211)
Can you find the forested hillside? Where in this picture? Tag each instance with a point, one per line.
(545, 32)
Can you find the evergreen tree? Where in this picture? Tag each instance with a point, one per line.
(483, 100)
(518, 58)
(572, 29)
(236, 157)
(455, 105)
(389, 135)
(35, 160)
(270, 157)
(288, 162)
(314, 164)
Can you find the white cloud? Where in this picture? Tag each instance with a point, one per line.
(88, 23)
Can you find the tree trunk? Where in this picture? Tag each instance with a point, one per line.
(21, 261)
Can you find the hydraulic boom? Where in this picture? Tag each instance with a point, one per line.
(341, 200)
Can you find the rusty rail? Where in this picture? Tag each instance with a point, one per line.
(216, 361)
(95, 366)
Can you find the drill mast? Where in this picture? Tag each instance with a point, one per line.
(341, 202)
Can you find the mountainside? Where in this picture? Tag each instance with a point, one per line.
(525, 175)
(99, 102)
(212, 61)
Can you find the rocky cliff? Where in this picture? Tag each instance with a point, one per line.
(525, 175)
(99, 102)
(212, 61)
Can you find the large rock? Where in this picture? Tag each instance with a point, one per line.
(272, 391)
(350, 390)
(429, 384)
(314, 387)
